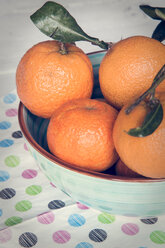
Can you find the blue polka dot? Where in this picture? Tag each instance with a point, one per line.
(76, 220)
(84, 245)
(5, 125)
(10, 98)
(0, 212)
(34, 155)
(6, 143)
(4, 176)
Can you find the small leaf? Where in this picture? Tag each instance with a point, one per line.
(150, 124)
(154, 12)
(56, 22)
(159, 32)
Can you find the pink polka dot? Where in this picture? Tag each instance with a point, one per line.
(5, 235)
(29, 173)
(52, 185)
(46, 218)
(61, 237)
(25, 147)
(81, 206)
(11, 112)
(130, 228)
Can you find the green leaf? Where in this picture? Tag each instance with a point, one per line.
(150, 124)
(56, 22)
(159, 32)
(154, 12)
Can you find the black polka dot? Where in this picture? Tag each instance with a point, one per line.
(7, 193)
(17, 134)
(27, 239)
(56, 204)
(149, 221)
(98, 235)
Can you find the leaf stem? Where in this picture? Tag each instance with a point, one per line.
(151, 91)
(102, 44)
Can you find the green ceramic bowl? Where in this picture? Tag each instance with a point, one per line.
(103, 191)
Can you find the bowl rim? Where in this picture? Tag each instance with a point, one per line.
(61, 163)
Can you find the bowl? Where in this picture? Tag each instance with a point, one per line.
(99, 190)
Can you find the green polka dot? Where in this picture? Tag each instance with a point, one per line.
(23, 206)
(12, 161)
(13, 221)
(158, 237)
(33, 190)
(106, 218)
(43, 166)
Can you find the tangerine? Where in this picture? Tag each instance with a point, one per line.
(144, 155)
(46, 77)
(129, 67)
(80, 133)
(122, 170)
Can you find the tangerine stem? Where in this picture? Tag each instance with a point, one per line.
(63, 49)
(157, 80)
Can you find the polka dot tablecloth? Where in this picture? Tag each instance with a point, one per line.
(34, 213)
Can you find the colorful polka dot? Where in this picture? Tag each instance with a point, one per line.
(56, 204)
(33, 190)
(7, 193)
(5, 125)
(12, 161)
(10, 98)
(5, 235)
(158, 237)
(13, 221)
(98, 235)
(149, 221)
(23, 206)
(46, 218)
(6, 143)
(17, 134)
(52, 184)
(130, 228)
(29, 173)
(11, 112)
(25, 147)
(106, 218)
(4, 176)
(34, 155)
(76, 220)
(28, 239)
(84, 245)
(82, 206)
(61, 237)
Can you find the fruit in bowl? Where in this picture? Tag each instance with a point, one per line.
(129, 67)
(80, 132)
(50, 74)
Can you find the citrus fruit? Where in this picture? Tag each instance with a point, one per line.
(144, 155)
(46, 77)
(122, 170)
(80, 133)
(129, 67)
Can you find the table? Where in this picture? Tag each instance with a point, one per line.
(33, 212)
